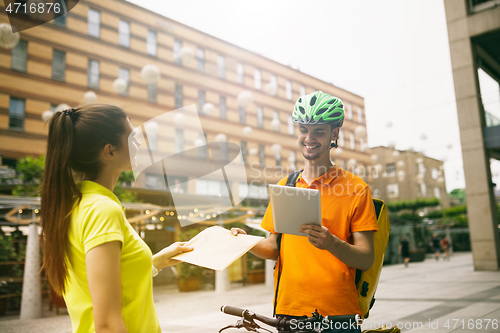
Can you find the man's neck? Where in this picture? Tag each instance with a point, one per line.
(315, 168)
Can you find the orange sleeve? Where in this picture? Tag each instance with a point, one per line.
(267, 220)
(364, 217)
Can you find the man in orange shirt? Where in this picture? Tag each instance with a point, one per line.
(318, 272)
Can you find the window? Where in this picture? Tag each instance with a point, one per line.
(93, 74)
(203, 149)
(435, 173)
(421, 168)
(362, 144)
(124, 33)
(179, 98)
(124, 73)
(222, 107)
(154, 181)
(302, 90)
(20, 56)
(257, 78)
(151, 43)
(349, 111)
(58, 65)
(274, 83)
(60, 20)
(94, 23)
(423, 189)
(152, 93)
(177, 51)
(360, 115)
(289, 94)
(201, 101)
(179, 140)
(244, 151)
(353, 142)
(200, 56)
(240, 73)
(242, 115)
(437, 192)
(341, 138)
(16, 114)
(276, 118)
(376, 193)
(390, 169)
(392, 190)
(262, 155)
(291, 126)
(209, 187)
(278, 159)
(260, 117)
(292, 160)
(221, 66)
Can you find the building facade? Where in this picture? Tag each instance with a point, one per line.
(98, 42)
(406, 175)
(474, 37)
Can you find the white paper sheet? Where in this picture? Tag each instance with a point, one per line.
(216, 248)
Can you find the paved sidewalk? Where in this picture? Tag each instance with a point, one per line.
(427, 292)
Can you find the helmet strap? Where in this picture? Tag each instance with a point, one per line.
(334, 144)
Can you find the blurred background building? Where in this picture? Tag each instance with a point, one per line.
(474, 38)
(406, 175)
(97, 52)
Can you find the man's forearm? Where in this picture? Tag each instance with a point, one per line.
(353, 256)
(266, 248)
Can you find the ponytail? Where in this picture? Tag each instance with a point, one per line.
(75, 141)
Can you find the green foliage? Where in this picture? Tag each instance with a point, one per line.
(122, 194)
(412, 205)
(30, 171)
(8, 253)
(455, 211)
(459, 194)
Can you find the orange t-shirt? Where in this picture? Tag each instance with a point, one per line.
(315, 279)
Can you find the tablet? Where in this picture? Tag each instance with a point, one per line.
(293, 207)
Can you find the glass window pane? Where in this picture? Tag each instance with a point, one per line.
(124, 33)
(179, 140)
(94, 23)
(260, 117)
(200, 56)
(302, 90)
(244, 151)
(177, 50)
(262, 155)
(58, 65)
(152, 93)
(240, 73)
(349, 111)
(257, 79)
(20, 56)
(353, 142)
(151, 43)
(179, 98)
(242, 115)
(93, 74)
(289, 93)
(16, 114)
(360, 114)
(490, 98)
(201, 101)
(223, 107)
(341, 138)
(124, 73)
(221, 64)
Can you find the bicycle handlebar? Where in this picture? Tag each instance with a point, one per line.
(284, 324)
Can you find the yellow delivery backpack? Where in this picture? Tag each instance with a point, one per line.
(367, 282)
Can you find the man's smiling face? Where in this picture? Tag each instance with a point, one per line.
(314, 140)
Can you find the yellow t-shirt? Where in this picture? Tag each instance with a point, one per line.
(315, 279)
(98, 219)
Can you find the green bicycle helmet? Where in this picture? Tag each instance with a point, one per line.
(319, 108)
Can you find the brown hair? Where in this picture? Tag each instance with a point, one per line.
(75, 142)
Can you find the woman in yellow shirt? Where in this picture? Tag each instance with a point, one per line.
(92, 256)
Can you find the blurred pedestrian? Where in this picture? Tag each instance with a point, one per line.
(404, 250)
(436, 246)
(92, 255)
(445, 246)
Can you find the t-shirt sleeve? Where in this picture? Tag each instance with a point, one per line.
(103, 223)
(364, 217)
(267, 220)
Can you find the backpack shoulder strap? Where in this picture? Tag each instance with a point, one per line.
(291, 181)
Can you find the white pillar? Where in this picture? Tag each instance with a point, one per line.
(31, 302)
(222, 281)
(270, 272)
